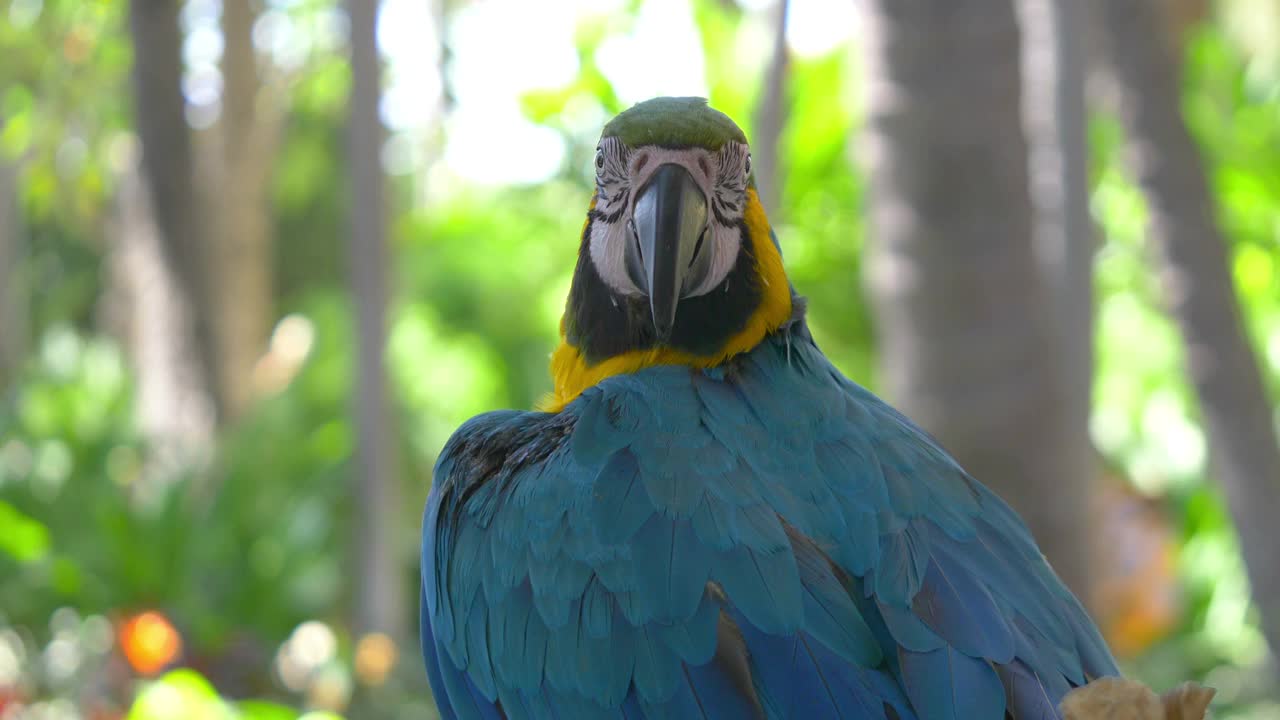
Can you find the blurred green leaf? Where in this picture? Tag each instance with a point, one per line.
(24, 538)
(260, 710)
(180, 695)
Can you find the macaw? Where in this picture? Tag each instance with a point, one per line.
(706, 519)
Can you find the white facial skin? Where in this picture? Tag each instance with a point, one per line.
(621, 171)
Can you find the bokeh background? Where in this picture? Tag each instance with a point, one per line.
(258, 259)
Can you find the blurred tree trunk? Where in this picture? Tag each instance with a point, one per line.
(1055, 117)
(967, 337)
(1192, 259)
(148, 308)
(236, 163)
(172, 341)
(771, 116)
(1054, 113)
(13, 290)
(378, 591)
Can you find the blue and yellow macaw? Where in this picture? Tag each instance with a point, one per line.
(707, 520)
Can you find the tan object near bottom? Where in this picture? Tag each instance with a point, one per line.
(1121, 699)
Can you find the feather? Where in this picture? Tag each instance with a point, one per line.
(1025, 696)
(875, 691)
(904, 556)
(620, 505)
(716, 695)
(478, 668)
(711, 523)
(960, 610)
(799, 678)
(906, 628)
(432, 660)
(738, 487)
(672, 568)
(600, 430)
(946, 684)
(666, 482)
(517, 641)
(657, 670)
(764, 586)
(596, 610)
(465, 700)
(789, 682)
(726, 415)
(757, 527)
(830, 615)
(694, 640)
(600, 668)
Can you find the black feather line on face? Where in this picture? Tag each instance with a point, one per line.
(722, 218)
(602, 323)
(611, 218)
(621, 207)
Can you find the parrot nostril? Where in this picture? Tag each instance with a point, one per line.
(635, 238)
(697, 248)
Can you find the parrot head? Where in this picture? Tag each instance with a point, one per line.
(677, 263)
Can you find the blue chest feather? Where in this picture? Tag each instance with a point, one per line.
(765, 539)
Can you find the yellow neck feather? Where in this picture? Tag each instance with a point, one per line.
(572, 374)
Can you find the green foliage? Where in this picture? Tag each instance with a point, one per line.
(185, 695)
(25, 539)
(1145, 416)
(61, 121)
(67, 447)
(821, 224)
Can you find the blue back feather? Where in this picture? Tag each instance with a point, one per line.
(764, 539)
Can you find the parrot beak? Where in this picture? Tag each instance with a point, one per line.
(666, 258)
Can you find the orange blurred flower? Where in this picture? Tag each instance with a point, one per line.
(150, 642)
(375, 658)
(1135, 594)
(10, 699)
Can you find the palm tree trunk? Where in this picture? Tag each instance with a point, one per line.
(1054, 111)
(771, 116)
(148, 309)
(968, 341)
(159, 264)
(13, 291)
(1192, 259)
(236, 165)
(160, 117)
(378, 588)
(1055, 117)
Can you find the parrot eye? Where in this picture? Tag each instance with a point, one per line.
(746, 167)
(599, 159)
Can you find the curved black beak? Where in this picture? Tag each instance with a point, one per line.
(666, 258)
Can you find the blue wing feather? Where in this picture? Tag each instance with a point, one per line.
(715, 694)
(429, 655)
(621, 504)
(765, 587)
(672, 568)
(764, 539)
(797, 677)
(947, 684)
(1026, 694)
(962, 612)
